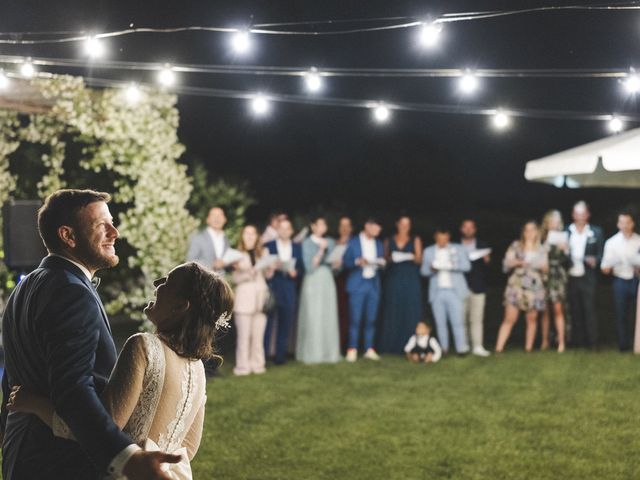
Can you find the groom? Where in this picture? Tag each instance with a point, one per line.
(58, 343)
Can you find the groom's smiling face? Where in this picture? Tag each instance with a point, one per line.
(95, 237)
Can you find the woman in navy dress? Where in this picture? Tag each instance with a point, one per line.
(402, 296)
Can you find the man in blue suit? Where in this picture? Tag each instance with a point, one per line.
(363, 259)
(445, 264)
(284, 285)
(58, 344)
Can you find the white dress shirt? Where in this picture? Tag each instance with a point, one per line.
(285, 250)
(577, 246)
(120, 460)
(424, 341)
(442, 262)
(370, 254)
(622, 254)
(217, 237)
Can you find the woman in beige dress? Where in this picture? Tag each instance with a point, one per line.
(251, 294)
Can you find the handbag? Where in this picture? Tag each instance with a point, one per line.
(269, 304)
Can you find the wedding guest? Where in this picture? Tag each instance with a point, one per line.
(208, 246)
(445, 264)
(555, 280)
(363, 259)
(477, 283)
(345, 231)
(586, 244)
(251, 294)
(271, 231)
(526, 260)
(284, 283)
(318, 334)
(401, 295)
(422, 346)
(621, 259)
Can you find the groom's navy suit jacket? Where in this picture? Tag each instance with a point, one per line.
(58, 344)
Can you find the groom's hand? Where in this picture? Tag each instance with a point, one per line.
(148, 465)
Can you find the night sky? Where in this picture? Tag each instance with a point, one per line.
(437, 167)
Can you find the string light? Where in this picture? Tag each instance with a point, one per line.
(166, 76)
(501, 120)
(468, 83)
(260, 105)
(4, 81)
(615, 124)
(632, 83)
(241, 42)
(94, 48)
(133, 94)
(429, 35)
(381, 113)
(313, 80)
(27, 69)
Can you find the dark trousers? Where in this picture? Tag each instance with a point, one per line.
(625, 295)
(282, 320)
(584, 319)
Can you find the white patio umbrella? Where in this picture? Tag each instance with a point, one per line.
(610, 162)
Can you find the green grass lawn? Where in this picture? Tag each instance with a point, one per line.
(514, 416)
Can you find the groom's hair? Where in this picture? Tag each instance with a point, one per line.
(61, 209)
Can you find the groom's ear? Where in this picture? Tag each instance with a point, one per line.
(67, 236)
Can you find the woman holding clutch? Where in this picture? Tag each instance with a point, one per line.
(251, 295)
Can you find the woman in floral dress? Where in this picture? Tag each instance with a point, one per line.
(556, 278)
(526, 260)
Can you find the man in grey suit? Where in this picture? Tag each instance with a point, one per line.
(445, 264)
(208, 246)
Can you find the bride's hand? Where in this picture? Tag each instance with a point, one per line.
(21, 400)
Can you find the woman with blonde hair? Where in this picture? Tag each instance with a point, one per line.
(556, 242)
(526, 260)
(251, 296)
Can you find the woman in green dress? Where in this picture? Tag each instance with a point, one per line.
(318, 331)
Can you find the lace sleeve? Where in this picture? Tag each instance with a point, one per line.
(60, 428)
(194, 435)
(121, 394)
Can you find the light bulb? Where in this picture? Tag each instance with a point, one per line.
(313, 80)
(429, 35)
(260, 105)
(615, 124)
(381, 113)
(93, 47)
(501, 120)
(27, 69)
(133, 94)
(468, 83)
(241, 42)
(166, 76)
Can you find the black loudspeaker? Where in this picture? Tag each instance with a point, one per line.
(23, 248)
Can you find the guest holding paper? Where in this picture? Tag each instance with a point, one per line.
(363, 259)
(318, 334)
(402, 296)
(251, 294)
(480, 255)
(526, 260)
(556, 241)
(622, 259)
(208, 246)
(585, 246)
(445, 264)
(289, 270)
(345, 231)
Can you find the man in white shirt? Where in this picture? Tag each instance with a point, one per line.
(585, 246)
(208, 246)
(621, 259)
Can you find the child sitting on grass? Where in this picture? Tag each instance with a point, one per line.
(422, 347)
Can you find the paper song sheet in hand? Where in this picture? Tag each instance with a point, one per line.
(231, 256)
(478, 254)
(336, 254)
(555, 237)
(398, 257)
(267, 261)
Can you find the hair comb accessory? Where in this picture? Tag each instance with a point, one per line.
(223, 321)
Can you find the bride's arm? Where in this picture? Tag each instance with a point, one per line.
(194, 435)
(119, 396)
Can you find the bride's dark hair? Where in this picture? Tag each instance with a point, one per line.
(210, 298)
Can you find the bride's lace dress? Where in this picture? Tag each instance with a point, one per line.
(154, 394)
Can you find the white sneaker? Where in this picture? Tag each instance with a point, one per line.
(352, 355)
(480, 351)
(371, 355)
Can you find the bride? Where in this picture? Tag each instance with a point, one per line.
(157, 390)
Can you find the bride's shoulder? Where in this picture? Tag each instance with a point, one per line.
(140, 344)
